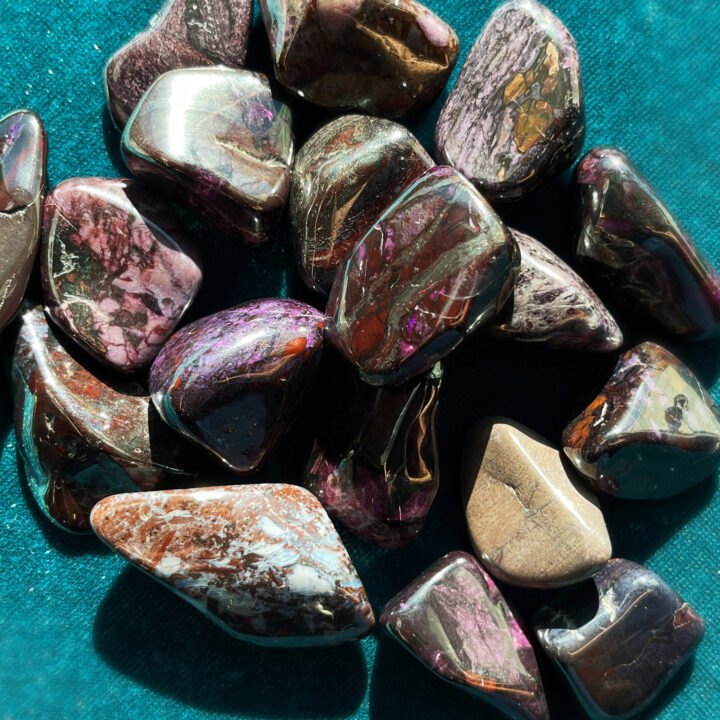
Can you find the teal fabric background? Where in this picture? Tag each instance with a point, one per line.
(84, 636)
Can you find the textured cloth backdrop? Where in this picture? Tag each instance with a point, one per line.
(84, 636)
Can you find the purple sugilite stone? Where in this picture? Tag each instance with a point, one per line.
(516, 114)
(184, 33)
(435, 266)
(639, 635)
(232, 382)
(263, 561)
(23, 155)
(344, 177)
(382, 58)
(552, 304)
(634, 248)
(117, 271)
(216, 136)
(455, 621)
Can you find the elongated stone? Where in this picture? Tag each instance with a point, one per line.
(217, 136)
(552, 304)
(117, 271)
(80, 437)
(635, 639)
(262, 561)
(23, 156)
(436, 265)
(516, 114)
(454, 620)
(637, 252)
(652, 432)
(531, 521)
(185, 33)
(232, 382)
(344, 177)
(382, 58)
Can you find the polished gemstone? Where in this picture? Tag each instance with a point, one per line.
(185, 33)
(80, 437)
(344, 177)
(532, 522)
(652, 432)
(117, 271)
(638, 253)
(552, 304)
(455, 621)
(218, 136)
(516, 114)
(379, 57)
(23, 154)
(619, 652)
(233, 382)
(436, 265)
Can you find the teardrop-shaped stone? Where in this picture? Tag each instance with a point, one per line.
(531, 521)
(232, 382)
(454, 620)
(636, 250)
(217, 136)
(23, 155)
(516, 114)
(620, 652)
(370, 55)
(652, 432)
(185, 33)
(80, 437)
(118, 273)
(263, 561)
(344, 177)
(435, 266)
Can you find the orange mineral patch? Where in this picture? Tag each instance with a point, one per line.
(295, 347)
(533, 119)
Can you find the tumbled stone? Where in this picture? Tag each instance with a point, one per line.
(216, 136)
(263, 561)
(516, 114)
(553, 305)
(652, 432)
(382, 58)
(185, 33)
(117, 272)
(532, 522)
(454, 620)
(436, 265)
(636, 638)
(233, 382)
(344, 177)
(637, 252)
(374, 463)
(81, 437)
(23, 155)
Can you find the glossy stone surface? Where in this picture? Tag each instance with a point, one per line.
(232, 382)
(516, 114)
(23, 155)
(637, 252)
(344, 177)
(532, 522)
(184, 33)
(263, 561)
(631, 643)
(652, 432)
(81, 438)
(455, 621)
(553, 305)
(436, 265)
(117, 271)
(217, 136)
(382, 58)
